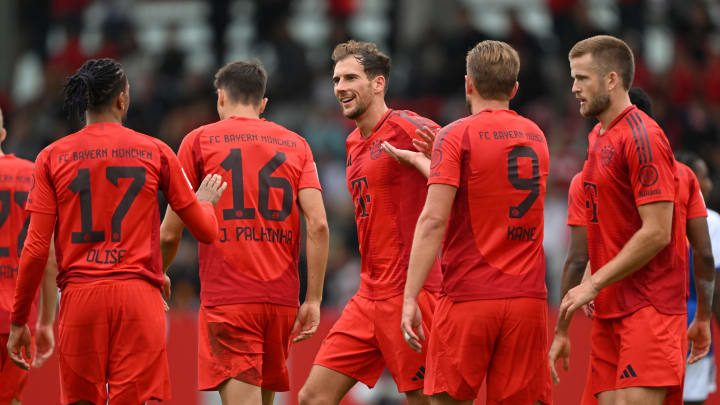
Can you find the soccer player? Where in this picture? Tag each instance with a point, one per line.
(15, 183)
(635, 234)
(249, 274)
(388, 198)
(700, 376)
(487, 186)
(575, 267)
(97, 188)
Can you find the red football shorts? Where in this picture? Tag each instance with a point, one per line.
(12, 377)
(643, 349)
(367, 338)
(247, 342)
(112, 332)
(505, 339)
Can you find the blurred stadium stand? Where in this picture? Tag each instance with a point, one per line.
(171, 49)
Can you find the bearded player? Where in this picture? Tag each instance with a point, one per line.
(388, 198)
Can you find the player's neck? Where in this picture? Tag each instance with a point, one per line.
(241, 111)
(105, 116)
(478, 104)
(367, 122)
(617, 106)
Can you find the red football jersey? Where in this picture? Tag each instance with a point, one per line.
(690, 200)
(255, 258)
(629, 165)
(576, 202)
(388, 200)
(690, 204)
(102, 183)
(15, 183)
(499, 162)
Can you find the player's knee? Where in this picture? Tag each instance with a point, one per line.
(417, 397)
(311, 396)
(305, 396)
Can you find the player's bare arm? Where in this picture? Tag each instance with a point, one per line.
(648, 241)
(704, 272)
(32, 265)
(317, 246)
(589, 308)
(44, 333)
(408, 157)
(572, 275)
(428, 237)
(170, 236)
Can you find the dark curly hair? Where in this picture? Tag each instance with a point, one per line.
(93, 86)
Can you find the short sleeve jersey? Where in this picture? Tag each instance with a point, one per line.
(690, 205)
(629, 165)
(690, 200)
(388, 199)
(255, 257)
(576, 202)
(102, 183)
(499, 162)
(15, 183)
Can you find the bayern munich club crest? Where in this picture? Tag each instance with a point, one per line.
(375, 151)
(606, 154)
(648, 175)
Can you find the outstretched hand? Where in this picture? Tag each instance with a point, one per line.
(425, 143)
(406, 157)
(211, 188)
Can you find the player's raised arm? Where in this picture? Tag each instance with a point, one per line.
(419, 159)
(318, 238)
(200, 219)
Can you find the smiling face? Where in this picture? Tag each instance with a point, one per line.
(353, 89)
(589, 86)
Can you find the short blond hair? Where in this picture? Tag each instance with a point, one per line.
(493, 67)
(610, 54)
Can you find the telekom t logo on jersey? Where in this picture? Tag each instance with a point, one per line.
(359, 187)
